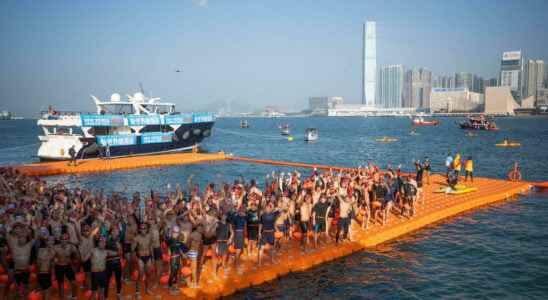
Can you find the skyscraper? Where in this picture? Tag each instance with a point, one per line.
(369, 64)
(464, 80)
(417, 89)
(511, 72)
(533, 77)
(390, 86)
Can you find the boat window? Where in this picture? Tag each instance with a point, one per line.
(117, 109)
(157, 128)
(159, 108)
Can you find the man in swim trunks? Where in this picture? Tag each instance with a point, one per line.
(64, 251)
(224, 237)
(319, 216)
(345, 206)
(305, 214)
(266, 231)
(44, 261)
(20, 243)
(144, 250)
(252, 227)
(195, 254)
(156, 249)
(98, 268)
(239, 223)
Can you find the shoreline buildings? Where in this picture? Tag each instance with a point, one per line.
(511, 73)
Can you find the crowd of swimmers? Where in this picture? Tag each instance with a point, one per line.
(77, 240)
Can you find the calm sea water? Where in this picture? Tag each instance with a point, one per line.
(500, 251)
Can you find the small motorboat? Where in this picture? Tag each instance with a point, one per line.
(419, 121)
(509, 144)
(311, 134)
(244, 124)
(386, 139)
(478, 123)
(284, 129)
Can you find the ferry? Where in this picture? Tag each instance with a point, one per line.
(137, 125)
(311, 135)
(478, 123)
(284, 129)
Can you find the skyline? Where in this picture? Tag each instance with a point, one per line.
(251, 53)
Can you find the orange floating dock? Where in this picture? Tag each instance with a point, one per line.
(436, 207)
(114, 164)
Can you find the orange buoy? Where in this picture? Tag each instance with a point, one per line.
(135, 275)
(80, 277)
(164, 279)
(35, 295)
(33, 278)
(186, 271)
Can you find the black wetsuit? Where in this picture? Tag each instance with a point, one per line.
(175, 248)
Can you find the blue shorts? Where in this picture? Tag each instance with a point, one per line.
(267, 237)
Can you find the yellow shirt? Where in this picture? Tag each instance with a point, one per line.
(469, 165)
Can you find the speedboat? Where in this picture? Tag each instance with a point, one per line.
(133, 126)
(284, 129)
(419, 121)
(478, 123)
(311, 135)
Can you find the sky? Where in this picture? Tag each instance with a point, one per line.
(252, 53)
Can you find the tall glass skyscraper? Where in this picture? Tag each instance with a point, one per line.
(369, 64)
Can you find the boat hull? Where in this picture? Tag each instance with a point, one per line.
(426, 123)
(185, 139)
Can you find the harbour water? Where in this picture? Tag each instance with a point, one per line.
(496, 252)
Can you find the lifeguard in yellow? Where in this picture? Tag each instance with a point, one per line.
(469, 169)
(457, 164)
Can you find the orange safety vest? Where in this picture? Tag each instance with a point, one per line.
(456, 164)
(469, 165)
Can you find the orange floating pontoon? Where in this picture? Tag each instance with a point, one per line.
(434, 208)
(113, 164)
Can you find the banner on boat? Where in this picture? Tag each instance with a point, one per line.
(117, 140)
(101, 120)
(156, 137)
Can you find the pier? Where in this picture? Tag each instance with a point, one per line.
(436, 207)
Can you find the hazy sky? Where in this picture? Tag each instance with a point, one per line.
(255, 52)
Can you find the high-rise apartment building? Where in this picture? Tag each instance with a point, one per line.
(490, 82)
(511, 72)
(464, 80)
(417, 88)
(369, 64)
(390, 88)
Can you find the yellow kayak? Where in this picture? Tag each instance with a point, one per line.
(508, 144)
(386, 139)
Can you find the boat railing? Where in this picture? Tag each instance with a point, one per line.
(58, 114)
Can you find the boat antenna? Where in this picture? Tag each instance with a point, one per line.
(141, 88)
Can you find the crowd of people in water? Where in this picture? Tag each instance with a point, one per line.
(76, 240)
